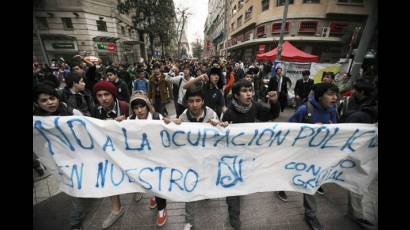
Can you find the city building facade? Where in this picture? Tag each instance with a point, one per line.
(95, 27)
(320, 27)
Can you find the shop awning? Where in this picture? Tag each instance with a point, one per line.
(57, 37)
(133, 42)
(105, 39)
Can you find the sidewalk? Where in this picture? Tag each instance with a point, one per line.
(51, 210)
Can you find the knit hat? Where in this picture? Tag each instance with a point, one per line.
(105, 85)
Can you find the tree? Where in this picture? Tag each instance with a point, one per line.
(154, 17)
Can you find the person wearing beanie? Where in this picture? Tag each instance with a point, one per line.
(110, 108)
(122, 87)
(141, 109)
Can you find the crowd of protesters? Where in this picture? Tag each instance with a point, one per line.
(216, 91)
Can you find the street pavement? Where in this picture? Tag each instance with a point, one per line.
(260, 211)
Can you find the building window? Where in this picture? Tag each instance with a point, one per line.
(337, 28)
(233, 26)
(101, 25)
(308, 26)
(239, 21)
(129, 31)
(276, 27)
(240, 4)
(358, 2)
(42, 23)
(67, 23)
(265, 5)
(310, 1)
(122, 30)
(260, 31)
(248, 13)
(282, 2)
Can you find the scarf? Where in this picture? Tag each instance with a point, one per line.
(241, 108)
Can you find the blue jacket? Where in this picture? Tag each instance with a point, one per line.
(319, 115)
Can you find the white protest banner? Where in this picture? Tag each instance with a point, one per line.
(317, 69)
(194, 161)
(293, 70)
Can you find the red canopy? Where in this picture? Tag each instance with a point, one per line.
(289, 53)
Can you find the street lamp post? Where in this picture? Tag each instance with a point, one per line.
(282, 29)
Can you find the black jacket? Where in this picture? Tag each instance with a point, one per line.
(239, 74)
(303, 89)
(92, 76)
(120, 108)
(355, 111)
(125, 76)
(214, 99)
(122, 90)
(83, 101)
(274, 83)
(258, 112)
(62, 110)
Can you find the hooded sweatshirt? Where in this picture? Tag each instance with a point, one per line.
(152, 115)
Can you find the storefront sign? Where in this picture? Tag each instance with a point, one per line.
(62, 45)
(110, 46)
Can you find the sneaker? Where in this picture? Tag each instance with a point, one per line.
(112, 218)
(187, 226)
(321, 191)
(313, 222)
(282, 196)
(138, 196)
(76, 227)
(152, 202)
(162, 219)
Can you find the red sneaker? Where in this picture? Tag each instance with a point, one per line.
(161, 220)
(152, 202)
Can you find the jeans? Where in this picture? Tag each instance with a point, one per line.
(189, 213)
(77, 211)
(234, 205)
(309, 203)
(364, 206)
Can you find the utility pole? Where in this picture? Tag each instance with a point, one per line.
(43, 51)
(282, 29)
(365, 40)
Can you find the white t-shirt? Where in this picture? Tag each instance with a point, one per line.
(175, 80)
